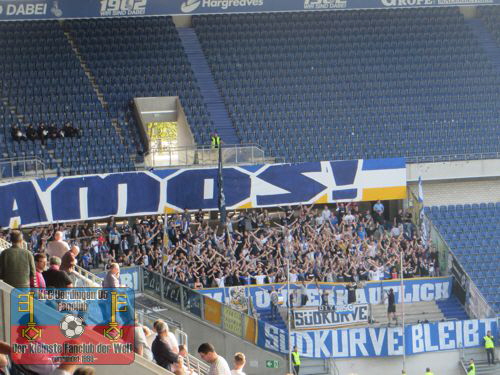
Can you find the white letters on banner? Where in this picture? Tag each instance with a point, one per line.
(371, 342)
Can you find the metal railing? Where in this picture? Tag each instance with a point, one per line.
(13, 168)
(332, 366)
(206, 155)
(199, 306)
(452, 157)
(4, 244)
(148, 318)
(83, 273)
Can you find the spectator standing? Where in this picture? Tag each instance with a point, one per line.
(303, 293)
(239, 363)
(162, 352)
(379, 208)
(54, 277)
(112, 279)
(489, 345)
(296, 360)
(17, 265)
(40, 265)
(324, 298)
(351, 293)
(141, 345)
(218, 365)
(70, 255)
(391, 307)
(215, 140)
(471, 370)
(274, 303)
(57, 247)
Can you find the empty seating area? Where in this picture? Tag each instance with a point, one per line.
(43, 82)
(355, 84)
(473, 234)
(140, 57)
(490, 15)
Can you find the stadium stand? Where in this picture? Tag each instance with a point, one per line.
(490, 19)
(344, 85)
(43, 82)
(140, 57)
(472, 232)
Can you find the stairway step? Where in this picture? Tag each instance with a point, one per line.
(208, 88)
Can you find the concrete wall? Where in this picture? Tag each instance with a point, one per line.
(468, 12)
(460, 192)
(443, 363)
(185, 137)
(453, 170)
(182, 20)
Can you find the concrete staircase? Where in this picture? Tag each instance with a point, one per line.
(481, 362)
(208, 88)
(414, 313)
(309, 366)
(486, 41)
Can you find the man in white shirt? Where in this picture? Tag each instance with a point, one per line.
(58, 247)
(326, 214)
(349, 218)
(218, 365)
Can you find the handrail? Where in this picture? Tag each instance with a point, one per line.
(452, 157)
(204, 155)
(87, 282)
(332, 366)
(4, 245)
(88, 275)
(210, 147)
(195, 303)
(21, 164)
(192, 362)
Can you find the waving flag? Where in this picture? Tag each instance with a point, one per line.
(222, 198)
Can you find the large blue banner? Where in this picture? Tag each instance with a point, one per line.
(79, 198)
(371, 342)
(415, 290)
(67, 9)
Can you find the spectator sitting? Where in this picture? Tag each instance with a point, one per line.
(57, 247)
(53, 132)
(31, 132)
(43, 133)
(17, 265)
(162, 351)
(55, 278)
(67, 130)
(17, 133)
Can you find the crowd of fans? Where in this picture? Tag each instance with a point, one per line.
(43, 132)
(339, 243)
(334, 244)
